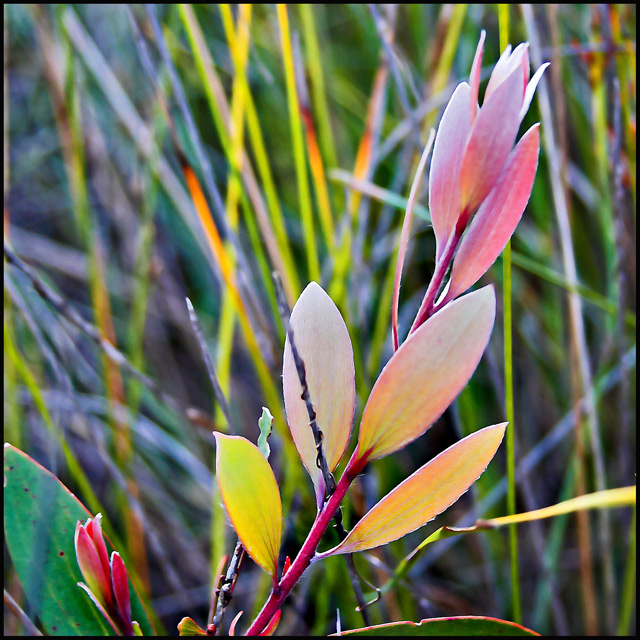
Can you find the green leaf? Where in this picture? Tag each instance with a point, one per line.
(40, 516)
(189, 627)
(456, 626)
(265, 423)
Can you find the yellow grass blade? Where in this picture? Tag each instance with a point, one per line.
(304, 200)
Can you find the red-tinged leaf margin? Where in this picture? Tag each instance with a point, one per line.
(454, 626)
(40, 537)
(270, 629)
(234, 622)
(425, 494)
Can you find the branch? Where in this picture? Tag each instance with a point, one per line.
(225, 592)
(211, 370)
(321, 460)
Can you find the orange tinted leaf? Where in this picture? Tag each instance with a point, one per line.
(250, 494)
(189, 627)
(234, 622)
(322, 340)
(426, 493)
(426, 373)
(270, 629)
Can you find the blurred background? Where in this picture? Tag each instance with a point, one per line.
(157, 152)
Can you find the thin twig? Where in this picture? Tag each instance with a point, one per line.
(15, 608)
(211, 370)
(228, 585)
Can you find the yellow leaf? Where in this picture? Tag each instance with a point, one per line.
(250, 494)
(426, 493)
(426, 373)
(322, 340)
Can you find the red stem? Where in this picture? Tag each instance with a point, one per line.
(281, 590)
(308, 550)
(427, 307)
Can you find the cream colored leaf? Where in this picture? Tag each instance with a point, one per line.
(322, 340)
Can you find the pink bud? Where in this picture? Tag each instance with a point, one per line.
(94, 528)
(497, 217)
(120, 584)
(107, 582)
(490, 141)
(97, 579)
(473, 144)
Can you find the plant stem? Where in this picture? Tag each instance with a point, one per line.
(427, 308)
(503, 19)
(510, 415)
(228, 585)
(308, 550)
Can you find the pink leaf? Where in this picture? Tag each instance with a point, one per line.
(234, 622)
(497, 217)
(322, 339)
(426, 493)
(270, 629)
(444, 180)
(506, 65)
(490, 142)
(121, 590)
(425, 374)
(474, 76)
(94, 528)
(530, 90)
